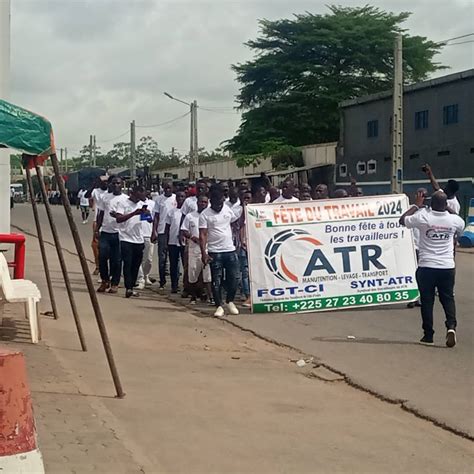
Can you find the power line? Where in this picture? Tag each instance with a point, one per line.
(164, 123)
(461, 42)
(114, 138)
(456, 37)
(220, 111)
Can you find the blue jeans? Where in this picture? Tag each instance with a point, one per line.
(175, 252)
(228, 262)
(110, 266)
(244, 271)
(162, 257)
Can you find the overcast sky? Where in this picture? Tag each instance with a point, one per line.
(93, 66)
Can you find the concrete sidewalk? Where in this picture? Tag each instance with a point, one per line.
(203, 396)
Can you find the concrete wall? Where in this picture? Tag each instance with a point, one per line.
(313, 155)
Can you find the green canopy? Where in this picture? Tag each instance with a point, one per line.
(25, 131)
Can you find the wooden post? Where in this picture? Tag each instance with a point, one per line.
(88, 278)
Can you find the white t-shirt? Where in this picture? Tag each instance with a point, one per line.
(437, 230)
(162, 206)
(147, 227)
(83, 201)
(131, 230)
(219, 231)
(454, 205)
(280, 198)
(96, 195)
(191, 224)
(173, 219)
(189, 205)
(106, 204)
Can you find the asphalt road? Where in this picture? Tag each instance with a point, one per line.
(382, 355)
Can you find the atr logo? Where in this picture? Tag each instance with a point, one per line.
(274, 252)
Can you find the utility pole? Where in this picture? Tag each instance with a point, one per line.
(65, 160)
(94, 151)
(397, 119)
(91, 159)
(133, 171)
(195, 141)
(191, 144)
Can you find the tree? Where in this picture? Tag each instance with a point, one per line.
(118, 156)
(147, 152)
(305, 66)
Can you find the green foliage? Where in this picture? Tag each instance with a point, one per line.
(286, 157)
(305, 66)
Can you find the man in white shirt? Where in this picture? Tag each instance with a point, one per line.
(218, 249)
(287, 192)
(130, 213)
(147, 261)
(172, 231)
(436, 266)
(94, 195)
(109, 244)
(163, 203)
(451, 188)
(190, 204)
(190, 230)
(84, 205)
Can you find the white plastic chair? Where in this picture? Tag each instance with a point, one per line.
(21, 291)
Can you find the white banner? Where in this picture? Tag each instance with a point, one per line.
(330, 254)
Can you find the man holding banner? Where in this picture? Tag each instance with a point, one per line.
(438, 229)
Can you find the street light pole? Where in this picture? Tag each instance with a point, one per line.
(193, 145)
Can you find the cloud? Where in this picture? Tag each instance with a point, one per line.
(93, 66)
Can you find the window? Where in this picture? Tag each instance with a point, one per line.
(372, 128)
(443, 153)
(371, 167)
(414, 155)
(450, 114)
(387, 158)
(343, 170)
(361, 167)
(421, 119)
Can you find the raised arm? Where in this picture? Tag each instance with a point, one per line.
(428, 171)
(419, 200)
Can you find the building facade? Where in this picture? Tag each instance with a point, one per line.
(438, 129)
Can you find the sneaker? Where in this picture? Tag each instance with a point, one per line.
(149, 281)
(104, 285)
(131, 293)
(427, 340)
(232, 308)
(174, 291)
(193, 301)
(211, 302)
(411, 304)
(184, 294)
(140, 285)
(246, 303)
(113, 289)
(162, 287)
(451, 338)
(219, 312)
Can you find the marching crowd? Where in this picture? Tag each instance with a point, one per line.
(201, 238)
